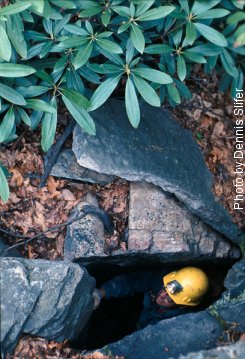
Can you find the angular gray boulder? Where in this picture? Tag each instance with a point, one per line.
(47, 299)
(159, 223)
(66, 166)
(230, 308)
(85, 237)
(159, 151)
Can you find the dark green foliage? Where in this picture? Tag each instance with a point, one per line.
(80, 51)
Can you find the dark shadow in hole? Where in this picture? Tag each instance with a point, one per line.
(115, 318)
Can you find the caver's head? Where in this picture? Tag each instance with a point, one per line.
(186, 286)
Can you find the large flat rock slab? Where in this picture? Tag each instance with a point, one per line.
(159, 151)
(66, 166)
(159, 223)
(47, 299)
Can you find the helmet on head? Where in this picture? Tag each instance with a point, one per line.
(186, 286)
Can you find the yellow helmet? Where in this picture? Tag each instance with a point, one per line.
(186, 286)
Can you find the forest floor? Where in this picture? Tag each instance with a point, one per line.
(32, 210)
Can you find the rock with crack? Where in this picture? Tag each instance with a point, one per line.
(160, 229)
(85, 237)
(47, 299)
(159, 151)
(230, 308)
(66, 166)
(159, 223)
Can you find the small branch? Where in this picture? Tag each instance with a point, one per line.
(9, 233)
(53, 152)
(54, 228)
(21, 205)
(16, 143)
(203, 109)
(174, 28)
(197, 79)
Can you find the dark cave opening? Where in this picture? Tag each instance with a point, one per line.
(117, 317)
(114, 319)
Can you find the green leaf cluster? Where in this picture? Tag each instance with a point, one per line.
(77, 53)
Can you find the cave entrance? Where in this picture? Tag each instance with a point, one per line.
(114, 319)
(117, 317)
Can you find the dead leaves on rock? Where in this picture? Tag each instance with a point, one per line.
(39, 348)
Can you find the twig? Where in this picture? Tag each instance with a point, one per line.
(87, 209)
(197, 79)
(9, 233)
(12, 209)
(16, 143)
(203, 109)
(70, 221)
(52, 154)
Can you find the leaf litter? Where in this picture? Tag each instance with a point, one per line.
(31, 210)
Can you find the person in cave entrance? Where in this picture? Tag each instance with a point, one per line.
(165, 294)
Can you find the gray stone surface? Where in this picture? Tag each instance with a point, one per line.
(234, 351)
(169, 338)
(235, 279)
(43, 298)
(66, 166)
(159, 223)
(159, 151)
(230, 308)
(84, 238)
(17, 302)
(160, 229)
